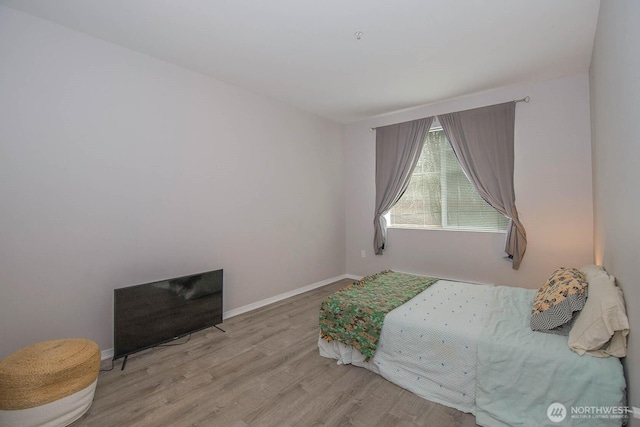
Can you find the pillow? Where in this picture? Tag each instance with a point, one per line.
(601, 329)
(554, 303)
(592, 271)
(562, 329)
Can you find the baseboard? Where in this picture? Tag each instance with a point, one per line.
(271, 300)
(108, 353)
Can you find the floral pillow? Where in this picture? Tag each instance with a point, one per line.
(564, 293)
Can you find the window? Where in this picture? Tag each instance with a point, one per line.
(440, 195)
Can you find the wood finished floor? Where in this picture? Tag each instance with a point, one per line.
(264, 371)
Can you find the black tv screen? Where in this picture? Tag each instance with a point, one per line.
(154, 313)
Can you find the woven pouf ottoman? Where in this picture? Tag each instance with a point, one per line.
(50, 383)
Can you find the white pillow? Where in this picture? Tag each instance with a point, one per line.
(592, 271)
(602, 327)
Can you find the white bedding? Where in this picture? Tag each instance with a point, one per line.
(522, 372)
(430, 345)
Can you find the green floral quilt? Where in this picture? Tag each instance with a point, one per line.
(354, 315)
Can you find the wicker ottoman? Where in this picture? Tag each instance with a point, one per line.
(50, 383)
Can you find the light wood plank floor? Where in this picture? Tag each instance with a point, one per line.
(264, 371)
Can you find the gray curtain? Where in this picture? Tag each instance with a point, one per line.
(398, 148)
(482, 140)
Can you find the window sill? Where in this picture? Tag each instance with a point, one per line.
(465, 230)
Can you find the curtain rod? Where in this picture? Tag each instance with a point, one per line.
(526, 99)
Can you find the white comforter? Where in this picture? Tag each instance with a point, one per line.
(470, 347)
(522, 372)
(429, 344)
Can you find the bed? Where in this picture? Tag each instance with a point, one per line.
(471, 347)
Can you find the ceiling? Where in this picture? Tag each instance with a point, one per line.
(305, 53)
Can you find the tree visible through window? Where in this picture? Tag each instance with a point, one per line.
(440, 195)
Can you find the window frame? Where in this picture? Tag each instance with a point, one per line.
(436, 127)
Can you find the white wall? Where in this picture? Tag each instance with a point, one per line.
(615, 103)
(552, 183)
(117, 168)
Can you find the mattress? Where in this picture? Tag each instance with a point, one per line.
(470, 347)
(522, 372)
(429, 344)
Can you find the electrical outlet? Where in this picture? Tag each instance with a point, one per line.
(363, 253)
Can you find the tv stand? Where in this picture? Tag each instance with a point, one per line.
(124, 362)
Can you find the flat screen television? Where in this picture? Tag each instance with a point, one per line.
(154, 313)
